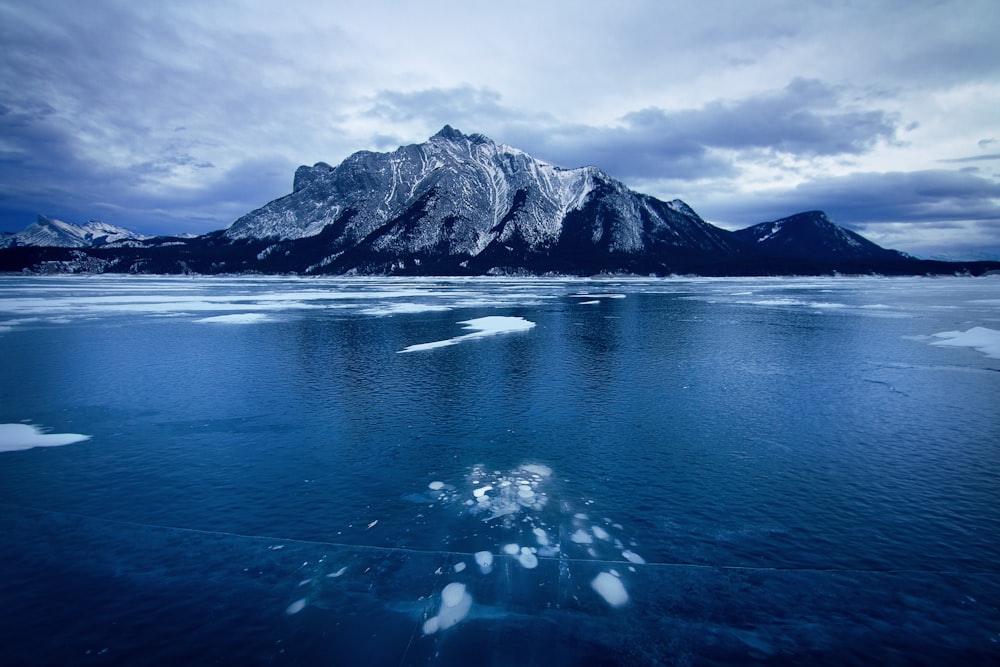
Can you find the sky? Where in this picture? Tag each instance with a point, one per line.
(179, 117)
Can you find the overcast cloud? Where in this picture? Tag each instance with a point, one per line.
(180, 117)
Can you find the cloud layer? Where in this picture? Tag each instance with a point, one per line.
(179, 117)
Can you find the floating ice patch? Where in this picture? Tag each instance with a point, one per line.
(610, 587)
(986, 341)
(338, 573)
(581, 537)
(15, 437)
(405, 308)
(512, 549)
(236, 318)
(481, 327)
(591, 302)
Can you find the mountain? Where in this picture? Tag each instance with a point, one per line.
(812, 235)
(56, 233)
(462, 204)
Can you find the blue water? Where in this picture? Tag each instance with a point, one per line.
(772, 471)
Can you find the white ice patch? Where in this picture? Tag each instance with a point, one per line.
(581, 537)
(455, 605)
(404, 308)
(527, 559)
(986, 341)
(481, 327)
(340, 572)
(592, 302)
(295, 607)
(600, 533)
(610, 588)
(484, 559)
(236, 318)
(512, 549)
(633, 557)
(15, 437)
(435, 486)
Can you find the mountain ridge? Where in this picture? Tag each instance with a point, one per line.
(462, 204)
(46, 231)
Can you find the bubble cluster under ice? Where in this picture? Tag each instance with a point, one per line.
(523, 526)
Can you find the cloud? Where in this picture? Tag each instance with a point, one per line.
(973, 158)
(805, 118)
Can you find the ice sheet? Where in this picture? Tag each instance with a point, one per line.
(15, 437)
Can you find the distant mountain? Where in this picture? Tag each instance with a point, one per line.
(464, 205)
(50, 232)
(812, 235)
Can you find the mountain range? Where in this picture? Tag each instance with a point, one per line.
(51, 232)
(465, 205)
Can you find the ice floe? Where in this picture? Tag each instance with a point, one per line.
(982, 339)
(16, 437)
(405, 308)
(235, 318)
(481, 327)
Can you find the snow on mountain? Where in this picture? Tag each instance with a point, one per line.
(462, 204)
(50, 232)
(481, 203)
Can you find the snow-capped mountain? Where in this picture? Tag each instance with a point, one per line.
(812, 235)
(464, 205)
(462, 202)
(50, 232)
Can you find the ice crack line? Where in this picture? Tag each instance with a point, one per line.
(555, 558)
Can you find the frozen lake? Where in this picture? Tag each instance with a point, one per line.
(499, 471)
